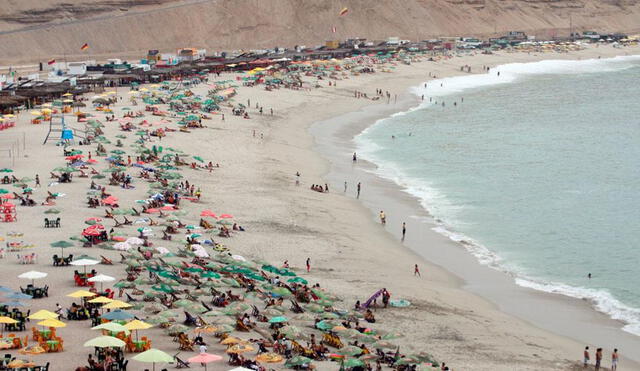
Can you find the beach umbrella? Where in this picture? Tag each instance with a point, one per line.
(298, 361)
(116, 304)
(269, 357)
(117, 315)
(52, 322)
(204, 358)
(43, 314)
(32, 275)
(352, 362)
(240, 348)
(383, 344)
(279, 319)
(6, 321)
(349, 350)
(100, 300)
(105, 342)
(102, 278)
(113, 327)
(60, 244)
(18, 296)
(81, 294)
(14, 304)
(137, 325)
(298, 280)
(84, 263)
(153, 356)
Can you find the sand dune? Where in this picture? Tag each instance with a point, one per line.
(35, 30)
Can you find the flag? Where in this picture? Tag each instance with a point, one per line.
(85, 46)
(51, 61)
(344, 11)
(333, 29)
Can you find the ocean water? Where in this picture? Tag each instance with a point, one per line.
(539, 169)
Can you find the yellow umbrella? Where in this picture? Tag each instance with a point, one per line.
(231, 341)
(10, 115)
(100, 300)
(67, 95)
(46, 105)
(45, 110)
(240, 348)
(43, 314)
(7, 320)
(36, 113)
(116, 304)
(137, 325)
(52, 323)
(81, 294)
(68, 101)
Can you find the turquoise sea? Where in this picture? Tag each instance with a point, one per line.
(539, 168)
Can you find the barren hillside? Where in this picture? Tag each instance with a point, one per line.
(36, 30)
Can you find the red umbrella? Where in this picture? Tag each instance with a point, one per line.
(110, 200)
(151, 211)
(92, 161)
(94, 219)
(91, 232)
(168, 208)
(208, 213)
(8, 196)
(227, 216)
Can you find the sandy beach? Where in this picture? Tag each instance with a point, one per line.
(452, 316)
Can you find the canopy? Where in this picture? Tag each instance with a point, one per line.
(81, 294)
(105, 342)
(112, 326)
(43, 314)
(51, 322)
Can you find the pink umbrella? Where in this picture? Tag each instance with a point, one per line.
(92, 161)
(227, 216)
(208, 213)
(151, 211)
(204, 358)
(110, 200)
(168, 208)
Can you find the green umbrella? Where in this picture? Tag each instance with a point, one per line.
(349, 350)
(298, 361)
(98, 176)
(6, 170)
(105, 342)
(314, 308)
(209, 274)
(298, 280)
(198, 158)
(61, 245)
(3, 191)
(407, 361)
(352, 362)
(182, 303)
(281, 291)
(324, 325)
(279, 319)
(153, 356)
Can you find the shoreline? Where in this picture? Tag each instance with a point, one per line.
(350, 254)
(571, 315)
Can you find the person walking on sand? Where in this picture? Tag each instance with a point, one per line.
(355, 157)
(37, 181)
(614, 360)
(598, 358)
(345, 186)
(383, 218)
(358, 190)
(586, 357)
(404, 230)
(416, 271)
(308, 265)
